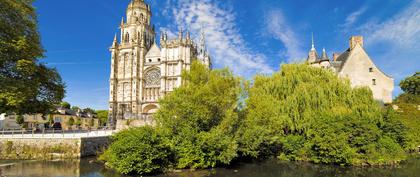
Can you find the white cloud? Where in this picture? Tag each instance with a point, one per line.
(353, 17)
(226, 44)
(280, 29)
(402, 30)
(397, 42)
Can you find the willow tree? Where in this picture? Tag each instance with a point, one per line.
(26, 85)
(307, 113)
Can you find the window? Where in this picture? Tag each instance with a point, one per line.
(57, 119)
(153, 78)
(373, 81)
(127, 38)
(158, 59)
(370, 70)
(150, 60)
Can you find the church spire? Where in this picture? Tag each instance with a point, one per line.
(324, 55)
(313, 43)
(180, 34)
(202, 40)
(115, 42)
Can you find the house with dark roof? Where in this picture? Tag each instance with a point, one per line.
(356, 65)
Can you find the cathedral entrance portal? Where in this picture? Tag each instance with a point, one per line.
(150, 109)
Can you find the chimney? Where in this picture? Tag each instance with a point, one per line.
(356, 40)
(335, 56)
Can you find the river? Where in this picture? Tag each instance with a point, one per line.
(270, 168)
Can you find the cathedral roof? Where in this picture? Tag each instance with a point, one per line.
(154, 51)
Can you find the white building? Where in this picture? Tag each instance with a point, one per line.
(141, 71)
(8, 122)
(356, 65)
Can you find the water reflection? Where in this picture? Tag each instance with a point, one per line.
(271, 168)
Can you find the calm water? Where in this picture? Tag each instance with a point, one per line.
(271, 168)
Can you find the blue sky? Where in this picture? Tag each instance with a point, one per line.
(247, 36)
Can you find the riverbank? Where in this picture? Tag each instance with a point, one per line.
(87, 167)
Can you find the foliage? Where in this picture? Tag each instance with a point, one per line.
(138, 151)
(50, 119)
(200, 118)
(20, 119)
(197, 122)
(65, 105)
(78, 122)
(75, 108)
(299, 113)
(71, 121)
(91, 122)
(89, 110)
(408, 111)
(307, 113)
(411, 84)
(26, 85)
(102, 116)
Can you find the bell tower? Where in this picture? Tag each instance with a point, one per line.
(127, 60)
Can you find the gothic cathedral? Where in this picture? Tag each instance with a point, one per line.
(141, 71)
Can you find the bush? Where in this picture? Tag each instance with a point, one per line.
(138, 151)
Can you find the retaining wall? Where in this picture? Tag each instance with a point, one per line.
(52, 148)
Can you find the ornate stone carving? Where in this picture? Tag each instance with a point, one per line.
(153, 78)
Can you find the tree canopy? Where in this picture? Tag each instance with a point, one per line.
(411, 84)
(26, 85)
(298, 113)
(308, 113)
(65, 105)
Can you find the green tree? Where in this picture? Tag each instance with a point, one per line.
(200, 117)
(195, 127)
(26, 85)
(65, 105)
(50, 119)
(408, 111)
(75, 108)
(89, 110)
(78, 122)
(307, 113)
(102, 116)
(411, 84)
(20, 120)
(71, 121)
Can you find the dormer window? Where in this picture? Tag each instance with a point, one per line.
(370, 70)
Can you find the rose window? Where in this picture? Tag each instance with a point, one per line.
(153, 78)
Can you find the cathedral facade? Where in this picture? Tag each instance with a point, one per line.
(141, 70)
(356, 65)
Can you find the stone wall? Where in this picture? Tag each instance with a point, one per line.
(92, 146)
(51, 148)
(127, 123)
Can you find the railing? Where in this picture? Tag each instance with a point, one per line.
(55, 133)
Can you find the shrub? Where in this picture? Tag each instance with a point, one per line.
(138, 151)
